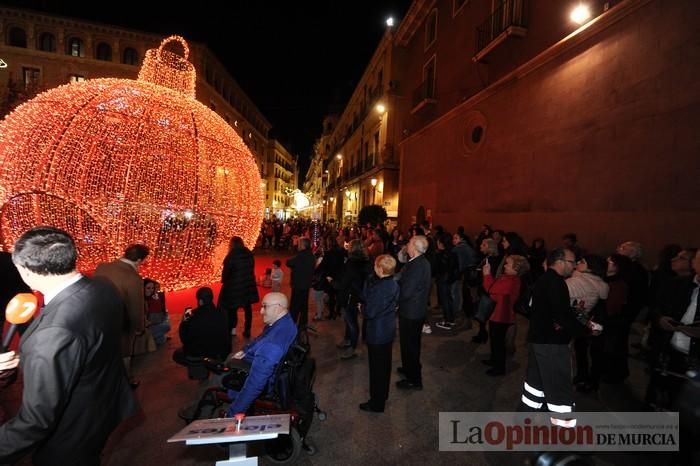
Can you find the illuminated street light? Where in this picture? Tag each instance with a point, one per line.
(339, 156)
(332, 198)
(373, 182)
(390, 21)
(380, 108)
(580, 14)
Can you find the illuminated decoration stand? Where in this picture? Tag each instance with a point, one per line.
(119, 161)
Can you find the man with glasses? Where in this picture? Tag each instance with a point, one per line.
(261, 356)
(553, 324)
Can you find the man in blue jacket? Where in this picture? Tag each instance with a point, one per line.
(265, 352)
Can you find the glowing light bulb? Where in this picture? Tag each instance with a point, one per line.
(580, 14)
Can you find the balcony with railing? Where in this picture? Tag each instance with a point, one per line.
(423, 95)
(509, 19)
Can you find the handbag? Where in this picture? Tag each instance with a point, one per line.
(485, 306)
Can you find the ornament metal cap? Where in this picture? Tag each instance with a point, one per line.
(168, 69)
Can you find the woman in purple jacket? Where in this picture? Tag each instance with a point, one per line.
(380, 296)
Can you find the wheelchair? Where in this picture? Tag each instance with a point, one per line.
(291, 391)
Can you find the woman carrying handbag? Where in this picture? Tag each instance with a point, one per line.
(503, 291)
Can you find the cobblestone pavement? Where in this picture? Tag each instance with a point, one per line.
(406, 433)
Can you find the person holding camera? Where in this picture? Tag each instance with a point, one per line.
(204, 331)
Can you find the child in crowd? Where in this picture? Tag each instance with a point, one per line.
(266, 281)
(276, 275)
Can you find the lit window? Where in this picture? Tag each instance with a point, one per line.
(76, 78)
(76, 47)
(30, 77)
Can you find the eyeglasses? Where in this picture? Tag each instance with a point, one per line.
(266, 305)
(569, 261)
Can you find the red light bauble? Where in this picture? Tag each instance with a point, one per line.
(118, 161)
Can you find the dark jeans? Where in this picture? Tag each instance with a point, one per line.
(616, 350)
(232, 314)
(332, 302)
(352, 329)
(581, 345)
(299, 307)
(410, 331)
(445, 299)
(379, 374)
(498, 332)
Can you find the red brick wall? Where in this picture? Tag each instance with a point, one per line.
(603, 140)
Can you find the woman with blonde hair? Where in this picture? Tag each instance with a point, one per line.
(380, 297)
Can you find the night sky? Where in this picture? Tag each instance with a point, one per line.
(296, 60)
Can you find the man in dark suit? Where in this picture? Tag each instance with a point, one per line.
(413, 304)
(302, 266)
(75, 388)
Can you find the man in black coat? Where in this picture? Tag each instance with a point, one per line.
(547, 385)
(415, 281)
(75, 387)
(302, 266)
(239, 288)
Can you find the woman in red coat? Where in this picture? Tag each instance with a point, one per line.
(505, 290)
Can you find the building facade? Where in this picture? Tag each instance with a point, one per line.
(360, 163)
(280, 181)
(41, 51)
(545, 126)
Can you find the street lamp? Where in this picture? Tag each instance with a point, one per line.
(390, 21)
(373, 182)
(580, 14)
(339, 156)
(380, 108)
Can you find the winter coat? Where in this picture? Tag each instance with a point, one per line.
(302, 266)
(380, 296)
(238, 277)
(352, 280)
(586, 287)
(505, 291)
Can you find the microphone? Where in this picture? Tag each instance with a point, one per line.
(19, 310)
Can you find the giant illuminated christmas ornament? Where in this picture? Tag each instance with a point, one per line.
(118, 161)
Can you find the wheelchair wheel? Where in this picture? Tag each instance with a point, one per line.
(284, 449)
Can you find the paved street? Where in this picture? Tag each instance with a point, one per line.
(407, 433)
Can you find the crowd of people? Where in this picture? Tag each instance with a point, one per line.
(580, 307)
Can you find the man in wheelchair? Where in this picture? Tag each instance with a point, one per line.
(260, 357)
